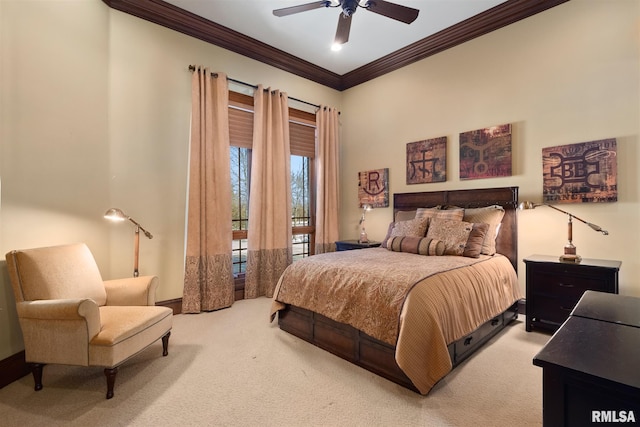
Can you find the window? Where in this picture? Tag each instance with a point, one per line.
(302, 136)
(300, 205)
(240, 173)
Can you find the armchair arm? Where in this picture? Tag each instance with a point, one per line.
(60, 309)
(58, 331)
(132, 290)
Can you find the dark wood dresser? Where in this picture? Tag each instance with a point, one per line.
(347, 245)
(554, 287)
(591, 365)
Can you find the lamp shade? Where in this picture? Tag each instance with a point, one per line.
(115, 214)
(527, 205)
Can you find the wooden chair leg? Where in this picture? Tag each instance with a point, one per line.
(36, 370)
(165, 344)
(110, 373)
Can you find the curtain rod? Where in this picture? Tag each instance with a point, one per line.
(192, 68)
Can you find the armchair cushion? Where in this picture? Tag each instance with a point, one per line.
(126, 331)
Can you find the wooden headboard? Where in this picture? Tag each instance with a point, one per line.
(507, 197)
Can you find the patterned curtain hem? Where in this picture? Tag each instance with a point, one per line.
(264, 268)
(208, 283)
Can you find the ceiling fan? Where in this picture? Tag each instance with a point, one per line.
(390, 10)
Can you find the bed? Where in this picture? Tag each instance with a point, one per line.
(408, 317)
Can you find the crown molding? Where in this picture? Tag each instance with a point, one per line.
(175, 18)
(490, 20)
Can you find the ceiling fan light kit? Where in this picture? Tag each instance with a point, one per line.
(349, 7)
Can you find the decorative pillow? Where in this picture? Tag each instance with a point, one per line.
(453, 233)
(432, 213)
(473, 248)
(491, 215)
(416, 245)
(453, 214)
(415, 228)
(405, 215)
(386, 238)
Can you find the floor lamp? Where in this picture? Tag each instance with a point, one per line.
(115, 214)
(570, 251)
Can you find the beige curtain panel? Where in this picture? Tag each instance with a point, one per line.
(208, 279)
(269, 249)
(327, 171)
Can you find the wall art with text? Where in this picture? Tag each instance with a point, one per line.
(581, 173)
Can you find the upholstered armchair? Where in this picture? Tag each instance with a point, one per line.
(69, 315)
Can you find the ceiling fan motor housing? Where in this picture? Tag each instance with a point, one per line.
(349, 7)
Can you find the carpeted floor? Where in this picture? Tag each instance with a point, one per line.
(234, 368)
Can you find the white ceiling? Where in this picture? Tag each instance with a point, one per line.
(309, 35)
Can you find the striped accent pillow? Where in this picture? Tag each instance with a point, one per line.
(451, 214)
(416, 245)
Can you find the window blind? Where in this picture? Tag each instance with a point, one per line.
(302, 126)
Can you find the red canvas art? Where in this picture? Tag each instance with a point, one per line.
(581, 173)
(486, 153)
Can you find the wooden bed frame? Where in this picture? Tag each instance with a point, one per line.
(379, 357)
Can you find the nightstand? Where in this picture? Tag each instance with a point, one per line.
(347, 245)
(554, 287)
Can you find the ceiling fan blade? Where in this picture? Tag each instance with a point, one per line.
(300, 8)
(344, 26)
(394, 11)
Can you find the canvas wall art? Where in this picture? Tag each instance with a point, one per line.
(373, 188)
(580, 173)
(486, 153)
(427, 161)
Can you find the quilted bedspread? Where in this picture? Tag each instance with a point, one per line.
(419, 304)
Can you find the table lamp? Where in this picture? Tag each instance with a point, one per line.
(570, 251)
(363, 234)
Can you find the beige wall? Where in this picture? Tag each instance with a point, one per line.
(568, 75)
(54, 166)
(95, 113)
